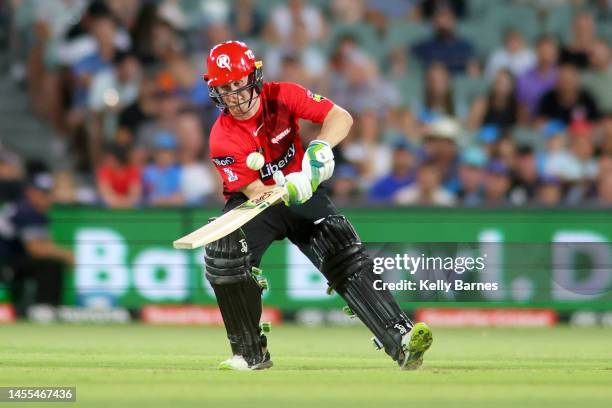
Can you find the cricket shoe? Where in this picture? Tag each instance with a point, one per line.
(238, 363)
(414, 345)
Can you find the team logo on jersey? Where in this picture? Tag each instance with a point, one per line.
(272, 167)
(231, 176)
(223, 61)
(280, 136)
(223, 161)
(315, 97)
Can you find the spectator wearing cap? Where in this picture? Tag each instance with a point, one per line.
(549, 192)
(119, 181)
(497, 183)
(440, 147)
(598, 79)
(471, 176)
(535, 82)
(525, 177)
(445, 45)
(514, 56)
(568, 100)
(426, 190)
(401, 174)
(26, 245)
(162, 178)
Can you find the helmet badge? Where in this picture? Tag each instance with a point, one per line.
(223, 61)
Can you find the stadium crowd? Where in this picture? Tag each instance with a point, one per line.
(456, 103)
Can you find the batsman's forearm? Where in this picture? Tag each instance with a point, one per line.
(336, 126)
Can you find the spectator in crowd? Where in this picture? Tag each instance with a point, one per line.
(445, 45)
(246, 19)
(515, 56)
(535, 82)
(198, 182)
(471, 176)
(576, 52)
(103, 30)
(27, 247)
(11, 175)
(111, 90)
(365, 151)
(549, 192)
(116, 88)
(403, 164)
(499, 108)
(438, 96)
(556, 159)
(440, 148)
(598, 79)
(287, 16)
(604, 190)
(141, 112)
(348, 12)
(525, 177)
(345, 186)
(162, 178)
(606, 134)
(299, 54)
(119, 181)
(430, 7)
(356, 82)
(426, 190)
(568, 101)
(497, 183)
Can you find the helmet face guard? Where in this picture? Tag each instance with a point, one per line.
(254, 84)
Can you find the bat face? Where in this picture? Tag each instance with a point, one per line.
(230, 221)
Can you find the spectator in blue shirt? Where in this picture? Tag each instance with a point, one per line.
(445, 46)
(162, 178)
(401, 175)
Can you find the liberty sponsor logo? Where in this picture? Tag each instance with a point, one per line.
(223, 161)
(231, 176)
(280, 136)
(223, 61)
(270, 168)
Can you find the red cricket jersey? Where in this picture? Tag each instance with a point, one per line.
(273, 131)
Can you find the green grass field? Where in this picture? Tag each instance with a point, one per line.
(135, 365)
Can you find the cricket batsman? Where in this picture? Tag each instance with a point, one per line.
(255, 145)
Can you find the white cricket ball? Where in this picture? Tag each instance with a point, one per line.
(255, 161)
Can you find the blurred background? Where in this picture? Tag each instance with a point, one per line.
(501, 110)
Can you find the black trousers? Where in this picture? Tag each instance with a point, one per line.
(36, 280)
(278, 222)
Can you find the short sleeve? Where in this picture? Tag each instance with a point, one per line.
(304, 103)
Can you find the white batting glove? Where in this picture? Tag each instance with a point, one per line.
(318, 162)
(299, 189)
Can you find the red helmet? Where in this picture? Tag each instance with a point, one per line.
(231, 61)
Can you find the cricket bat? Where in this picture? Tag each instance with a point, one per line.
(230, 221)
